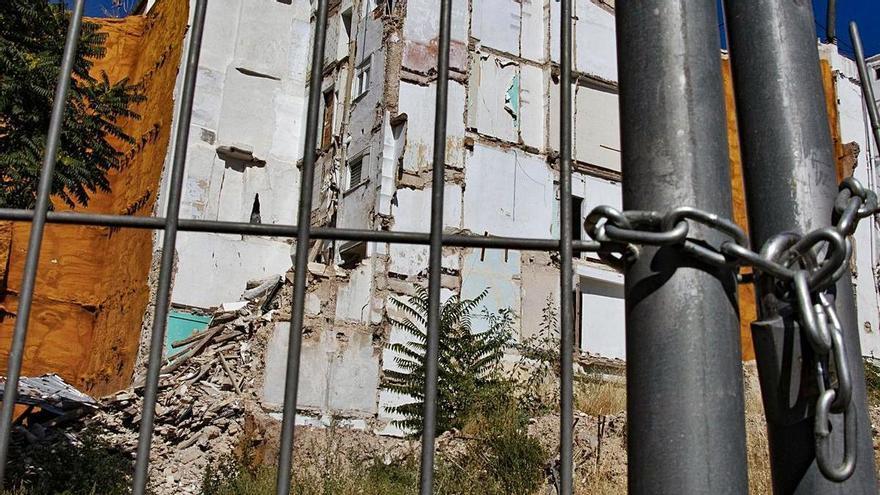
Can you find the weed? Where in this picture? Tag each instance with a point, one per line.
(85, 466)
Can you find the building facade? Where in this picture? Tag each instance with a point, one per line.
(375, 164)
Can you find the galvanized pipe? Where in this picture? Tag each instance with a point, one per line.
(303, 237)
(831, 22)
(684, 375)
(169, 241)
(566, 272)
(865, 80)
(790, 178)
(284, 230)
(435, 254)
(35, 241)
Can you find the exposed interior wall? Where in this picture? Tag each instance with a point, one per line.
(501, 178)
(244, 143)
(91, 289)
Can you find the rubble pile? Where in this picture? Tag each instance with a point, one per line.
(207, 382)
(209, 385)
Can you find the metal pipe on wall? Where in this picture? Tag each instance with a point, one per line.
(684, 375)
(790, 184)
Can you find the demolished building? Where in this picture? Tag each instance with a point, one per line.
(374, 172)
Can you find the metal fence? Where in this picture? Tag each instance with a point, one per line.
(676, 380)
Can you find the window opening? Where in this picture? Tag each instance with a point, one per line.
(577, 205)
(327, 129)
(362, 79)
(255, 210)
(355, 172)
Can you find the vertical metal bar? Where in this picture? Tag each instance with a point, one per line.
(169, 241)
(831, 22)
(35, 241)
(429, 421)
(566, 334)
(865, 80)
(788, 165)
(303, 235)
(684, 375)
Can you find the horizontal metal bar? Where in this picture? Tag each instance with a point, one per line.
(282, 230)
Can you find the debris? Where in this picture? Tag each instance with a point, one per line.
(206, 385)
(50, 393)
(233, 306)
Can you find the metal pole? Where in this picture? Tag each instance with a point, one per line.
(865, 80)
(304, 221)
(831, 22)
(429, 418)
(684, 375)
(789, 171)
(566, 272)
(32, 261)
(169, 241)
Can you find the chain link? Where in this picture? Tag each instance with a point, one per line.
(805, 269)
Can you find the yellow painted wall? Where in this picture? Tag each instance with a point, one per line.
(91, 290)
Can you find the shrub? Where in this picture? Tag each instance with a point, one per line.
(90, 465)
(467, 359)
(500, 456)
(539, 365)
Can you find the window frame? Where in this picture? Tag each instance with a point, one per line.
(361, 87)
(363, 159)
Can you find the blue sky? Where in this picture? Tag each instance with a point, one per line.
(865, 12)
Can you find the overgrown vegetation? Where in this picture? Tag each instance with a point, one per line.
(468, 361)
(538, 368)
(493, 453)
(89, 465)
(496, 457)
(32, 35)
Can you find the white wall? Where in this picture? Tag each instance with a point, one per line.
(854, 127)
(250, 94)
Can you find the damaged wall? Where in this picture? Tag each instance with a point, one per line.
(88, 309)
(855, 148)
(501, 178)
(244, 143)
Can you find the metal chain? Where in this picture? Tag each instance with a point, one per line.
(804, 269)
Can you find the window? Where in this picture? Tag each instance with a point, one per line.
(877, 73)
(577, 206)
(362, 79)
(355, 172)
(327, 128)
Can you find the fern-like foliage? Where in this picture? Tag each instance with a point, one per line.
(468, 360)
(32, 34)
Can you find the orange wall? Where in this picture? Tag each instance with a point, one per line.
(91, 291)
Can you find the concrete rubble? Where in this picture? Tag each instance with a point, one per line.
(206, 390)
